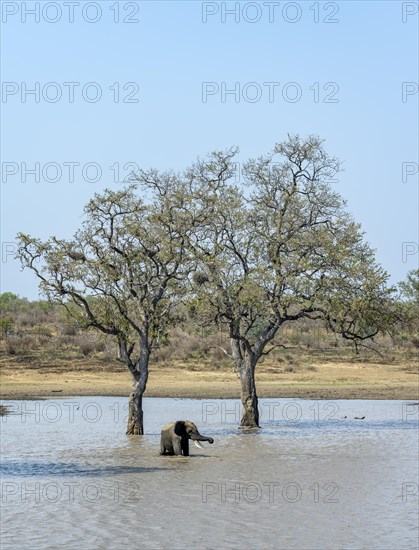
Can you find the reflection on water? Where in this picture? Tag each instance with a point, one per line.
(313, 477)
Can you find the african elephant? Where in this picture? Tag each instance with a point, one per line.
(175, 438)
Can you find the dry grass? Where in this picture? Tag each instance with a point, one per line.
(39, 377)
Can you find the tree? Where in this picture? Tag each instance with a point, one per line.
(409, 306)
(12, 302)
(410, 287)
(282, 251)
(122, 272)
(8, 298)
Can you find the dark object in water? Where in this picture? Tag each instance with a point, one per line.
(359, 417)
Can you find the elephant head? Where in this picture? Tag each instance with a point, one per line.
(186, 428)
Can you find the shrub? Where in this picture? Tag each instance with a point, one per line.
(162, 354)
(6, 326)
(89, 343)
(295, 338)
(197, 354)
(43, 330)
(25, 319)
(17, 344)
(69, 329)
(87, 348)
(184, 345)
(217, 354)
(65, 341)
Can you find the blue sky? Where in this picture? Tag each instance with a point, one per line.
(363, 59)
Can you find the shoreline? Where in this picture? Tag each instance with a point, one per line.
(319, 394)
(216, 391)
(322, 381)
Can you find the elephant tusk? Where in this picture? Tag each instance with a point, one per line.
(198, 444)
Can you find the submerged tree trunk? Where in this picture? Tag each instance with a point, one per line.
(246, 356)
(245, 362)
(135, 406)
(135, 410)
(249, 398)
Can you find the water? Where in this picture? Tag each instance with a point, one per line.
(309, 479)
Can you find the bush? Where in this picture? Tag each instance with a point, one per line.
(197, 354)
(43, 330)
(162, 354)
(87, 348)
(6, 326)
(184, 345)
(26, 319)
(20, 344)
(110, 354)
(89, 343)
(295, 338)
(69, 329)
(217, 354)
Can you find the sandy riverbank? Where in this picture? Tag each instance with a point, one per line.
(319, 381)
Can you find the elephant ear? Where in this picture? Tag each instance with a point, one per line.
(179, 427)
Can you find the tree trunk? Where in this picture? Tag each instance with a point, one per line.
(245, 361)
(140, 375)
(249, 398)
(135, 410)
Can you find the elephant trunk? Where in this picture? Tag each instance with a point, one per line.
(199, 437)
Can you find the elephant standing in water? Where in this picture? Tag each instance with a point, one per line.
(175, 438)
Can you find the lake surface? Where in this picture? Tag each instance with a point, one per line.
(309, 479)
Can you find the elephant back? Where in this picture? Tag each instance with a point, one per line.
(168, 426)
